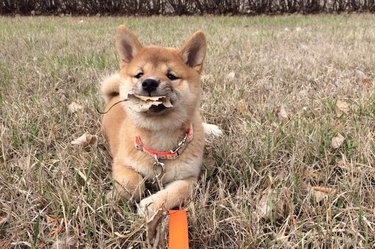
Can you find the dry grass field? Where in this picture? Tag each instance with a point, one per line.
(294, 96)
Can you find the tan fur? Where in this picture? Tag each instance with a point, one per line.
(110, 87)
(161, 132)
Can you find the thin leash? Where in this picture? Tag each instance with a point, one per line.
(105, 112)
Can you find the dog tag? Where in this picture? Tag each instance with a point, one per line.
(159, 169)
(159, 165)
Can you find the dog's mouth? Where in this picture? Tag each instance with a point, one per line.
(154, 105)
(157, 109)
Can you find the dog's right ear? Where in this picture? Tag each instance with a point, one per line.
(194, 50)
(127, 44)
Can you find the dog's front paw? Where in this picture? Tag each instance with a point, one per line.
(148, 207)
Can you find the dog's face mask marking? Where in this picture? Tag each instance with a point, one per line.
(153, 73)
(157, 71)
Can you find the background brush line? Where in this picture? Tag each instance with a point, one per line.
(178, 7)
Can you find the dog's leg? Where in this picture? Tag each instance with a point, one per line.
(174, 194)
(129, 183)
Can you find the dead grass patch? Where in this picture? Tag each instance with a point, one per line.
(272, 84)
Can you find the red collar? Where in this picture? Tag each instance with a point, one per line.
(169, 155)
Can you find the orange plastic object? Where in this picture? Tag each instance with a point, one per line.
(178, 230)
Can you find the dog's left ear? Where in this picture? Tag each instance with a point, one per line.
(194, 50)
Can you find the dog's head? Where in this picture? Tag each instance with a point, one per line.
(161, 71)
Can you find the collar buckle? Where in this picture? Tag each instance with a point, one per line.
(180, 145)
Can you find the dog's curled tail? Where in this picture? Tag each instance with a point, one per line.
(110, 87)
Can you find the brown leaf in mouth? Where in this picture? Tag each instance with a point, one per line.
(145, 103)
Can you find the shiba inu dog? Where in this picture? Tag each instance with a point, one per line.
(162, 143)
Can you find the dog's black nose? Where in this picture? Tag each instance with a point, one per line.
(150, 85)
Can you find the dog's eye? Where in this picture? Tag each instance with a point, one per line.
(138, 75)
(172, 76)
